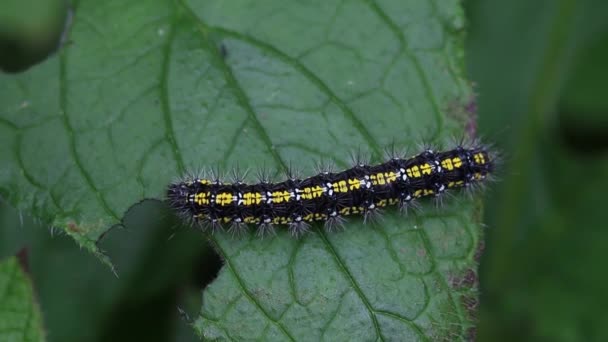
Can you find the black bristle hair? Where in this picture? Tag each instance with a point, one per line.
(328, 197)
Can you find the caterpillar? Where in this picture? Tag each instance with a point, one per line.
(329, 196)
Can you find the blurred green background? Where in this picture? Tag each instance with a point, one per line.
(540, 69)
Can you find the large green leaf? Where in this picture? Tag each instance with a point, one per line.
(146, 91)
(19, 313)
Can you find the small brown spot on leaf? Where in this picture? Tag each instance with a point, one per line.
(471, 304)
(73, 227)
(471, 334)
(467, 280)
(481, 246)
(22, 257)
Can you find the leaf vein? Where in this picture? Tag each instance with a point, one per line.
(425, 81)
(244, 290)
(353, 282)
(297, 65)
(408, 322)
(63, 100)
(444, 284)
(164, 98)
(239, 92)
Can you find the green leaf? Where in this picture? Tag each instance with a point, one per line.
(146, 91)
(19, 313)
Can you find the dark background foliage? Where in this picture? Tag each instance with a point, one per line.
(539, 66)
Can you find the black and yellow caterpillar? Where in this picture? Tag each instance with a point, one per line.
(329, 196)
